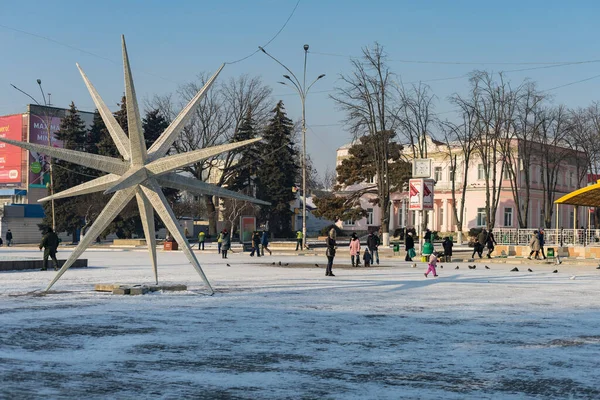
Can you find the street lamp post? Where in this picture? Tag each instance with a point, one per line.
(302, 92)
(48, 123)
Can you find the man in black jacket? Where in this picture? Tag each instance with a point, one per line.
(373, 245)
(50, 243)
(409, 244)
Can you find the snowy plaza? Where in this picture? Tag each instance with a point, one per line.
(279, 332)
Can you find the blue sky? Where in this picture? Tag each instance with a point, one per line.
(171, 42)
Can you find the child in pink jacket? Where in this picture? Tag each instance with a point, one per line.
(432, 264)
(355, 250)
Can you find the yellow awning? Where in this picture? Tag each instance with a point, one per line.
(587, 196)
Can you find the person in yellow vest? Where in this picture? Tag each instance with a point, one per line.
(219, 242)
(298, 240)
(201, 238)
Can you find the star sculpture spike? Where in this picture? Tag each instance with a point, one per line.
(142, 173)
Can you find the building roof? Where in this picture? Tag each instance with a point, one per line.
(587, 196)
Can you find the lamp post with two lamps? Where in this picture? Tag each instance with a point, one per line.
(302, 92)
(48, 123)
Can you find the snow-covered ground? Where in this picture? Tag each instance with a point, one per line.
(290, 332)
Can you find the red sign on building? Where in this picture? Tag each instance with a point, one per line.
(11, 157)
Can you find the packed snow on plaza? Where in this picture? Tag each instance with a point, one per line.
(278, 332)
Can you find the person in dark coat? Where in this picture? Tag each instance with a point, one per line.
(542, 242)
(255, 244)
(373, 245)
(490, 242)
(409, 244)
(447, 245)
(264, 241)
(50, 243)
(480, 243)
(9, 238)
(427, 236)
(330, 252)
(226, 244)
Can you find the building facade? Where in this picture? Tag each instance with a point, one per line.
(442, 218)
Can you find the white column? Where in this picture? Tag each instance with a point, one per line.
(445, 225)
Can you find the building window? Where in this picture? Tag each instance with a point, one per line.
(441, 217)
(480, 172)
(371, 179)
(369, 216)
(349, 222)
(481, 221)
(508, 216)
(542, 175)
(451, 173)
(197, 198)
(506, 173)
(437, 174)
(571, 179)
(413, 217)
(571, 218)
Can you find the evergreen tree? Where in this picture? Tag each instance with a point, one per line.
(245, 170)
(277, 172)
(153, 124)
(106, 146)
(65, 175)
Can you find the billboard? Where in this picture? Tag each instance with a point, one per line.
(420, 196)
(11, 157)
(39, 164)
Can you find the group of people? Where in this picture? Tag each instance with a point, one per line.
(537, 244)
(371, 253)
(484, 239)
(260, 243)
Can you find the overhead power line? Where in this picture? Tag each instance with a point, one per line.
(465, 62)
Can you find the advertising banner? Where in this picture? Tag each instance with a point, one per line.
(247, 227)
(11, 127)
(428, 194)
(39, 166)
(420, 196)
(415, 201)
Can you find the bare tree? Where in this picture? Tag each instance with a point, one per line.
(234, 209)
(414, 115)
(460, 141)
(215, 122)
(518, 147)
(365, 96)
(552, 152)
(494, 103)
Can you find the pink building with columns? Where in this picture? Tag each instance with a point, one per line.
(441, 218)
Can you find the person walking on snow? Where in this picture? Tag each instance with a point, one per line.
(432, 264)
(330, 252)
(219, 242)
(367, 258)
(226, 243)
(542, 242)
(409, 245)
(9, 238)
(355, 250)
(298, 240)
(201, 238)
(264, 241)
(373, 246)
(255, 244)
(535, 246)
(447, 245)
(490, 242)
(49, 243)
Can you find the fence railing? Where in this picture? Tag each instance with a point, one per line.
(552, 237)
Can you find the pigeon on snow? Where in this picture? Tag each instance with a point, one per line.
(456, 267)
(555, 271)
(486, 267)
(573, 277)
(529, 269)
(228, 265)
(317, 265)
(515, 269)
(279, 262)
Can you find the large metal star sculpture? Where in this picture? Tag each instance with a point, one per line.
(141, 173)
